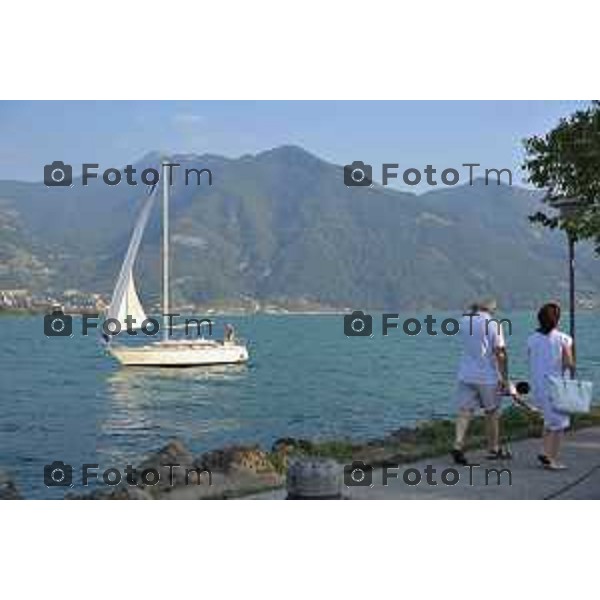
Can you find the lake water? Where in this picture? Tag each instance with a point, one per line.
(63, 399)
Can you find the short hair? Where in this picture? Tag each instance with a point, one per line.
(548, 317)
(488, 304)
(484, 304)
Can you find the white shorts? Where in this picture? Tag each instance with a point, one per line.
(471, 396)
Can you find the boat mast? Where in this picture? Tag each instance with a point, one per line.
(165, 252)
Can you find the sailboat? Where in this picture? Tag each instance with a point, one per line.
(125, 301)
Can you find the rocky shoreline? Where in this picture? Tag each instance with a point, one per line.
(240, 470)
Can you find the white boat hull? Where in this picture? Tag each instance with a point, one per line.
(176, 354)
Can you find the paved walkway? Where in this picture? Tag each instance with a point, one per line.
(581, 452)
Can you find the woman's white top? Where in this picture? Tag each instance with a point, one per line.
(546, 358)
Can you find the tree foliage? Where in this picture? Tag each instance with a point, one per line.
(565, 162)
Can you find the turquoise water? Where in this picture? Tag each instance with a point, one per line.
(63, 399)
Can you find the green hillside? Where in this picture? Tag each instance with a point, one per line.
(282, 225)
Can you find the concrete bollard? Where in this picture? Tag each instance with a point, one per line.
(314, 478)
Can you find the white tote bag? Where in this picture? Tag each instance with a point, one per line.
(570, 395)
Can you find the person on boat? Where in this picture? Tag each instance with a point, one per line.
(229, 334)
(550, 353)
(482, 377)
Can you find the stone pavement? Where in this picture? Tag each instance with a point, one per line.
(581, 452)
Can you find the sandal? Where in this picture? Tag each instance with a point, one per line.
(544, 460)
(549, 464)
(554, 466)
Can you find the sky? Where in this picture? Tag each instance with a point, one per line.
(412, 134)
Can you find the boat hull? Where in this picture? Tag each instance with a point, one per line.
(180, 355)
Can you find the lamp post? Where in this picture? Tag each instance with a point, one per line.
(567, 208)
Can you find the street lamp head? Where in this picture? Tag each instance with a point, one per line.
(566, 206)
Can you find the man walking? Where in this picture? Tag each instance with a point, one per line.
(482, 376)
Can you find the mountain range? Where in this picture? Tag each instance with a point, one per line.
(282, 226)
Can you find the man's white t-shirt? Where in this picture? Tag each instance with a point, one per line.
(480, 339)
(546, 357)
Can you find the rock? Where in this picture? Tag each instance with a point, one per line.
(120, 492)
(403, 435)
(136, 493)
(173, 453)
(249, 459)
(288, 444)
(8, 487)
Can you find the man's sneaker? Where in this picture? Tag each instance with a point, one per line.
(501, 454)
(459, 457)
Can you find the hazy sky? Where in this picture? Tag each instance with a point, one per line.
(413, 134)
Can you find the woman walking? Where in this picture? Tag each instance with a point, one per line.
(550, 354)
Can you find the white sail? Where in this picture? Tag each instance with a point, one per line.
(130, 306)
(125, 300)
